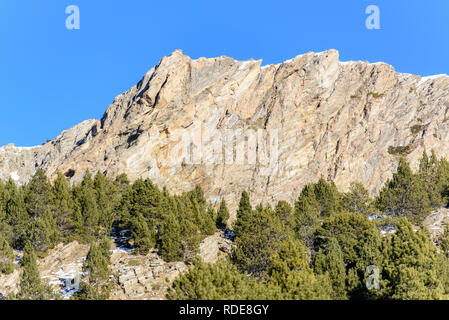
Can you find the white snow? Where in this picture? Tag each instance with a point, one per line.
(425, 79)
(26, 148)
(14, 175)
(245, 63)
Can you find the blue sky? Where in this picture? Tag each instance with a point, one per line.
(52, 78)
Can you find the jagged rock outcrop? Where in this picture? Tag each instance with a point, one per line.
(134, 277)
(436, 221)
(344, 121)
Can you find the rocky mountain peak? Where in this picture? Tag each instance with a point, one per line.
(295, 121)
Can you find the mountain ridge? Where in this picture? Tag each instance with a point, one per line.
(344, 121)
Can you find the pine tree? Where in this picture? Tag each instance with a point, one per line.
(245, 207)
(63, 206)
(284, 212)
(4, 197)
(348, 229)
(38, 195)
(87, 213)
(42, 232)
(18, 218)
(6, 256)
(328, 197)
(218, 281)
(430, 176)
(358, 200)
(142, 201)
(190, 239)
(223, 215)
(144, 239)
(307, 217)
(31, 287)
(96, 284)
(404, 195)
(411, 266)
(257, 237)
(108, 200)
(443, 241)
(203, 215)
(122, 183)
(171, 249)
(330, 261)
(289, 272)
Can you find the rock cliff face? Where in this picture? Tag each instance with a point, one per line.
(344, 121)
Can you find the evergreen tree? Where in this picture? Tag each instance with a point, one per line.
(307, 217)
(411, 266)
(443, 241)
(245, 209)
(330, 261)
(31, 287)
(42, 232)
(87, 213)
(358, 200)
(218, 281)
(348, 229)
(223, 215)
(257, 237)
(63, 206)
(17, 218)
(108, 201)
(144, 238)
(290, 273)
(171, 249)
(96, 284)
(4, 197)
(430, 176)
(204, 216)
(38, 195)
(284, 212)
(404, 195)
(6, 256)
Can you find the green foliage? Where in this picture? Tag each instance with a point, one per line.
(348, 229)
(357, 200)
(222, 216)
(6, 256)
(175, 223)
(404, 195)
(31, 287)
(219, 281)
(258, 235)
(321, 249)
(330, 262)
(412, 265)
(316, 202)
(291, 274)
(443, 241)
(108, 200)
(17, 218)
(63, 206)
(400, 150)
(96, 284)
(375, 95)
(417, 128)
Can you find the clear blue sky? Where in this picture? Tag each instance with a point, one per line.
(52, 78)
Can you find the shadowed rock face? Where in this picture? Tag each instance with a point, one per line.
(343, 121)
